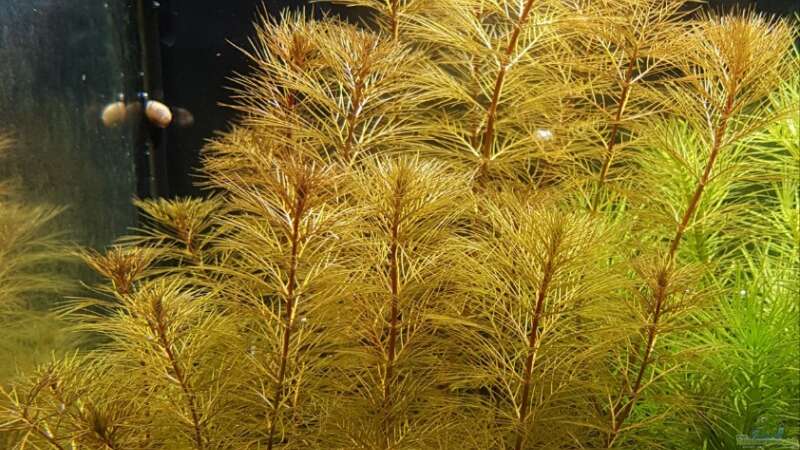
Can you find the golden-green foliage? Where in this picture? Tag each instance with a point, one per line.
(731, 65)
(28, 254)
(534, 279)
(30, 331)
(470, 224)
(391, 347)
(632, 53)
(25, 245)
(344, 94)
(484, 54)
(68, 401)
(752, 382)
(285, 281)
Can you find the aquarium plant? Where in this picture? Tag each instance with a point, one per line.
(462, 224)
(30, 252)
(30, 283)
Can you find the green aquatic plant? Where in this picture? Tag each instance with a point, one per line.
(732, 67)
(29, 251)
(465, 224)
(25, 245)
(29, 330)
(750, 383)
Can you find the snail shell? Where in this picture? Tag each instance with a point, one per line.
(183, 117)
(114, 114)
(158, 114)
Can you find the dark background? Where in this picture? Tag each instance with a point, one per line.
(61, 62)
(198, 57)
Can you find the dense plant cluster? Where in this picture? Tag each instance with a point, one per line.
(28, 251)
(468, 225)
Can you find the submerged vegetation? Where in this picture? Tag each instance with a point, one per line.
(467, 225)
(28, 278)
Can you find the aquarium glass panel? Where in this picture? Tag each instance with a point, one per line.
(61, 64)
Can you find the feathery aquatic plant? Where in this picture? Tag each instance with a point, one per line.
(733, 65)
(476, 224)
(30, 280)
(391, 348)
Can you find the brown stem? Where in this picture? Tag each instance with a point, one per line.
(24, 407)
(394, 286)
(160, 329)
(694, 202)
(45, 434)
(297, 214)
(108, 441)
(355, 106)
(623, 100)
(491, 112)
(393, 10)
(532, 350)
(622, 413)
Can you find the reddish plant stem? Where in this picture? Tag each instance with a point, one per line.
(108, 441)
(355, 107)
(160, 329)
(393, 17)
(394, 286)
(532, 350)
(38, 430)
(297, 215)
(719, 135)
(491, 112)
(623, 100)
(297, 61)
(621, 413)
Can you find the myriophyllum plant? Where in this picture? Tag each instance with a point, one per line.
(282, 280)
(25, 245)
(30, 279)
(627, 60)
(330, 90)
(731, 67)
(493, 87)
(392, 349)
(463, 224)
(751, 384)
(533, 280)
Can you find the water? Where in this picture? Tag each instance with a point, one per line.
(542, 224)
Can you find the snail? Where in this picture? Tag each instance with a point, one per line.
(114, 114)
(158, 113)
(183, 117)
